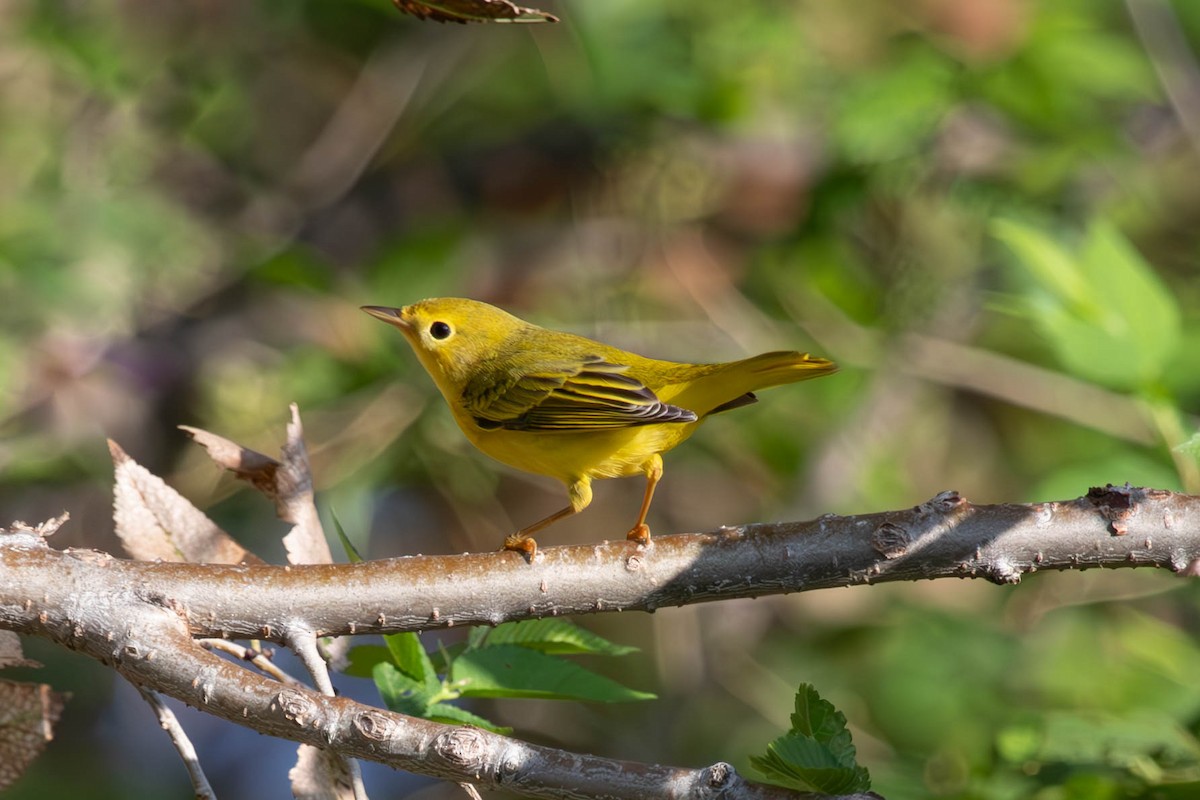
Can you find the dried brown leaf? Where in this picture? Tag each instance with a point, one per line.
(320, 775)
(294, 502)
(155, 522)
(249, 465)
(464, 11)
(28, 712)
(287, 482)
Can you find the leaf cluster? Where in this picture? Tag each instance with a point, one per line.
(514, 660)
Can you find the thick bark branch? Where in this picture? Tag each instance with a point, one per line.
(152, 647)
(945, 537)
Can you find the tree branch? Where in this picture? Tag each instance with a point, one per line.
(183, 745)
(944, 537)
(153, 647)
(141, 618)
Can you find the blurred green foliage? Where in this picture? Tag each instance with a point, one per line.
(985, 210)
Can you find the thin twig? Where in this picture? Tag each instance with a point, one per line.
(183, 745)
(259, 660)
(1161, 36)
(303, 643)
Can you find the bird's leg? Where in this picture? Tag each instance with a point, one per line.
(640, 532)
(580, 494)
(522, 542)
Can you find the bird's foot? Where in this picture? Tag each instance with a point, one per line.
(521, 544)
(640, 534)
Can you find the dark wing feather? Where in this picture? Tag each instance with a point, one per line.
(586, 395)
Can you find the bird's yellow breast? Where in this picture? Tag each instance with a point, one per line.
(568, 456)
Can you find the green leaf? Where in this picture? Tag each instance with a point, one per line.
(401, 693)
(1191, 447)
(891, 113)
(514, 671)
(453, 715)
(1048, 263)
(553, 636)
(1019, 744)
(405, 695)
(410, 658)
(1149, 665)
(1094, 62)
(1088, 738)
(1143, 310)
(351, 553)
(363, 659)
(1103, 309)
(800, 762)
(815, 716)
(817, 754)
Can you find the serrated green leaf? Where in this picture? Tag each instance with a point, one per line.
(410, 658)
(514, 671)
(815, 716)
(405, 695)
(363, 659)
(800, 762)
(553, 636)
(352, 554)
(400, 693)
(453, 715)
(817, 754)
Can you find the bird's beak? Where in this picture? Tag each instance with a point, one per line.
(392, 316)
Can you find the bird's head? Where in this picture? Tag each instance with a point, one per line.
(452, 335)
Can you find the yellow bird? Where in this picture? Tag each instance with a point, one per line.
(558, 404)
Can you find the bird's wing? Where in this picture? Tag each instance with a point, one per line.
(557, 396)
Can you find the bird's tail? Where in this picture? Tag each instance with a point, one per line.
(774, 369)
(733, 385)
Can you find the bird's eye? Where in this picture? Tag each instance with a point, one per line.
(439, 330)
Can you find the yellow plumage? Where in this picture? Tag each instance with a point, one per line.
(558, 404)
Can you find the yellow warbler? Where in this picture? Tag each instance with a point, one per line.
(561, 405)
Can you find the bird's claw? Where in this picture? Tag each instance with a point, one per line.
(521, 544)
(639, 533)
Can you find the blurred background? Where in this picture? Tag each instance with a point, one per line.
(986, 210)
